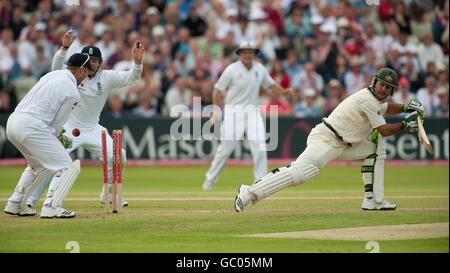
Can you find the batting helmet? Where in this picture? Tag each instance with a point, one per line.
(387, 76)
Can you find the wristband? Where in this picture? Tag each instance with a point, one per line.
(65, 47)
(404, 125)
(405, 108)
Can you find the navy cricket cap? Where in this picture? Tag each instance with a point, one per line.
(80, 60)
(93, 51)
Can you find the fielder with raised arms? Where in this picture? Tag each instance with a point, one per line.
(35, 128)
(344, 135)
(94, 92)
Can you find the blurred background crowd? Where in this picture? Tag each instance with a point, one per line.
(324, 49)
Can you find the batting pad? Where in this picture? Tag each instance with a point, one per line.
(39, 177)
(68, 177)
(286, 177)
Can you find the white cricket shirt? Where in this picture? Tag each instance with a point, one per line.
(94, 91)
(243, 84)
(356, 116)
(52, 99)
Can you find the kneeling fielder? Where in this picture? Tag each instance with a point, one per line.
(343, 136)
(33, 128)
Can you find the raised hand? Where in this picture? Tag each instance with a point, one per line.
(138, 52)
(68, 39)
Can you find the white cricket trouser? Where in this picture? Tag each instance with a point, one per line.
(91, 140)
(41, 149)
(235, 124)
(34, 139)
(322, 147)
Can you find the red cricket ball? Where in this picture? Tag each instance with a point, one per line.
(75, 132)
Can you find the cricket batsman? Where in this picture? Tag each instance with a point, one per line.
(94, 92)
(353, 131)
(35, 128)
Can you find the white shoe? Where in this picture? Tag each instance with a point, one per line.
(208, 185)
(13, 208)
(242, 199)
(370, 204)
(59, 212)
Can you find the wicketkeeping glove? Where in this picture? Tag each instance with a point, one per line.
(65, 141)
(410, 123)
(414, 105)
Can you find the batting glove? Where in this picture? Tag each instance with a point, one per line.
(414, 105)
(410, 123)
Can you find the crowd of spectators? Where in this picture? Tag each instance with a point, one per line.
(324, 49)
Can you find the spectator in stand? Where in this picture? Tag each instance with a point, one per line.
(115, 107)
(5, 102)
(145, 106)
(291, 64)
(413, 73)
(354, 77)
(440, 24)
(357, 44)
(336, 94)
(429, 51)
(279, 75)
(15, 70)
(306, 107)
(297, 23)
(274, 16)
(403, 94)
(442, 109)
(196, 24)
(107, 45)
(393, 58)
(373, 41)
(442, 77)
(42, 65)
(284, 108)
(308, 78)
(400, 17)
(153, 17)
(6, 42)
(17, 22)
(179, 94)
(230, 25)
(405, 49)
(428, 96)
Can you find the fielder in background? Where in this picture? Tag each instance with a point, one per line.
(242, 80)
(35, 128)
(94, 93)
(344, 135)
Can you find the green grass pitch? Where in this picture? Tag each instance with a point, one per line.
(169, 213)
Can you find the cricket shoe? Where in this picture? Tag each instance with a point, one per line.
(370, 204)
(124, 203)
(208, 185)
(243, 198)
(13, 208)
(58, 212)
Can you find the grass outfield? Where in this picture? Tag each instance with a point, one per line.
(169, 213)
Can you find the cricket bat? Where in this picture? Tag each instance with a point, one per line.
(423, 136)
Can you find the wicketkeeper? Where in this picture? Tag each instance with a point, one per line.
(35, 128)
(353, 131)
